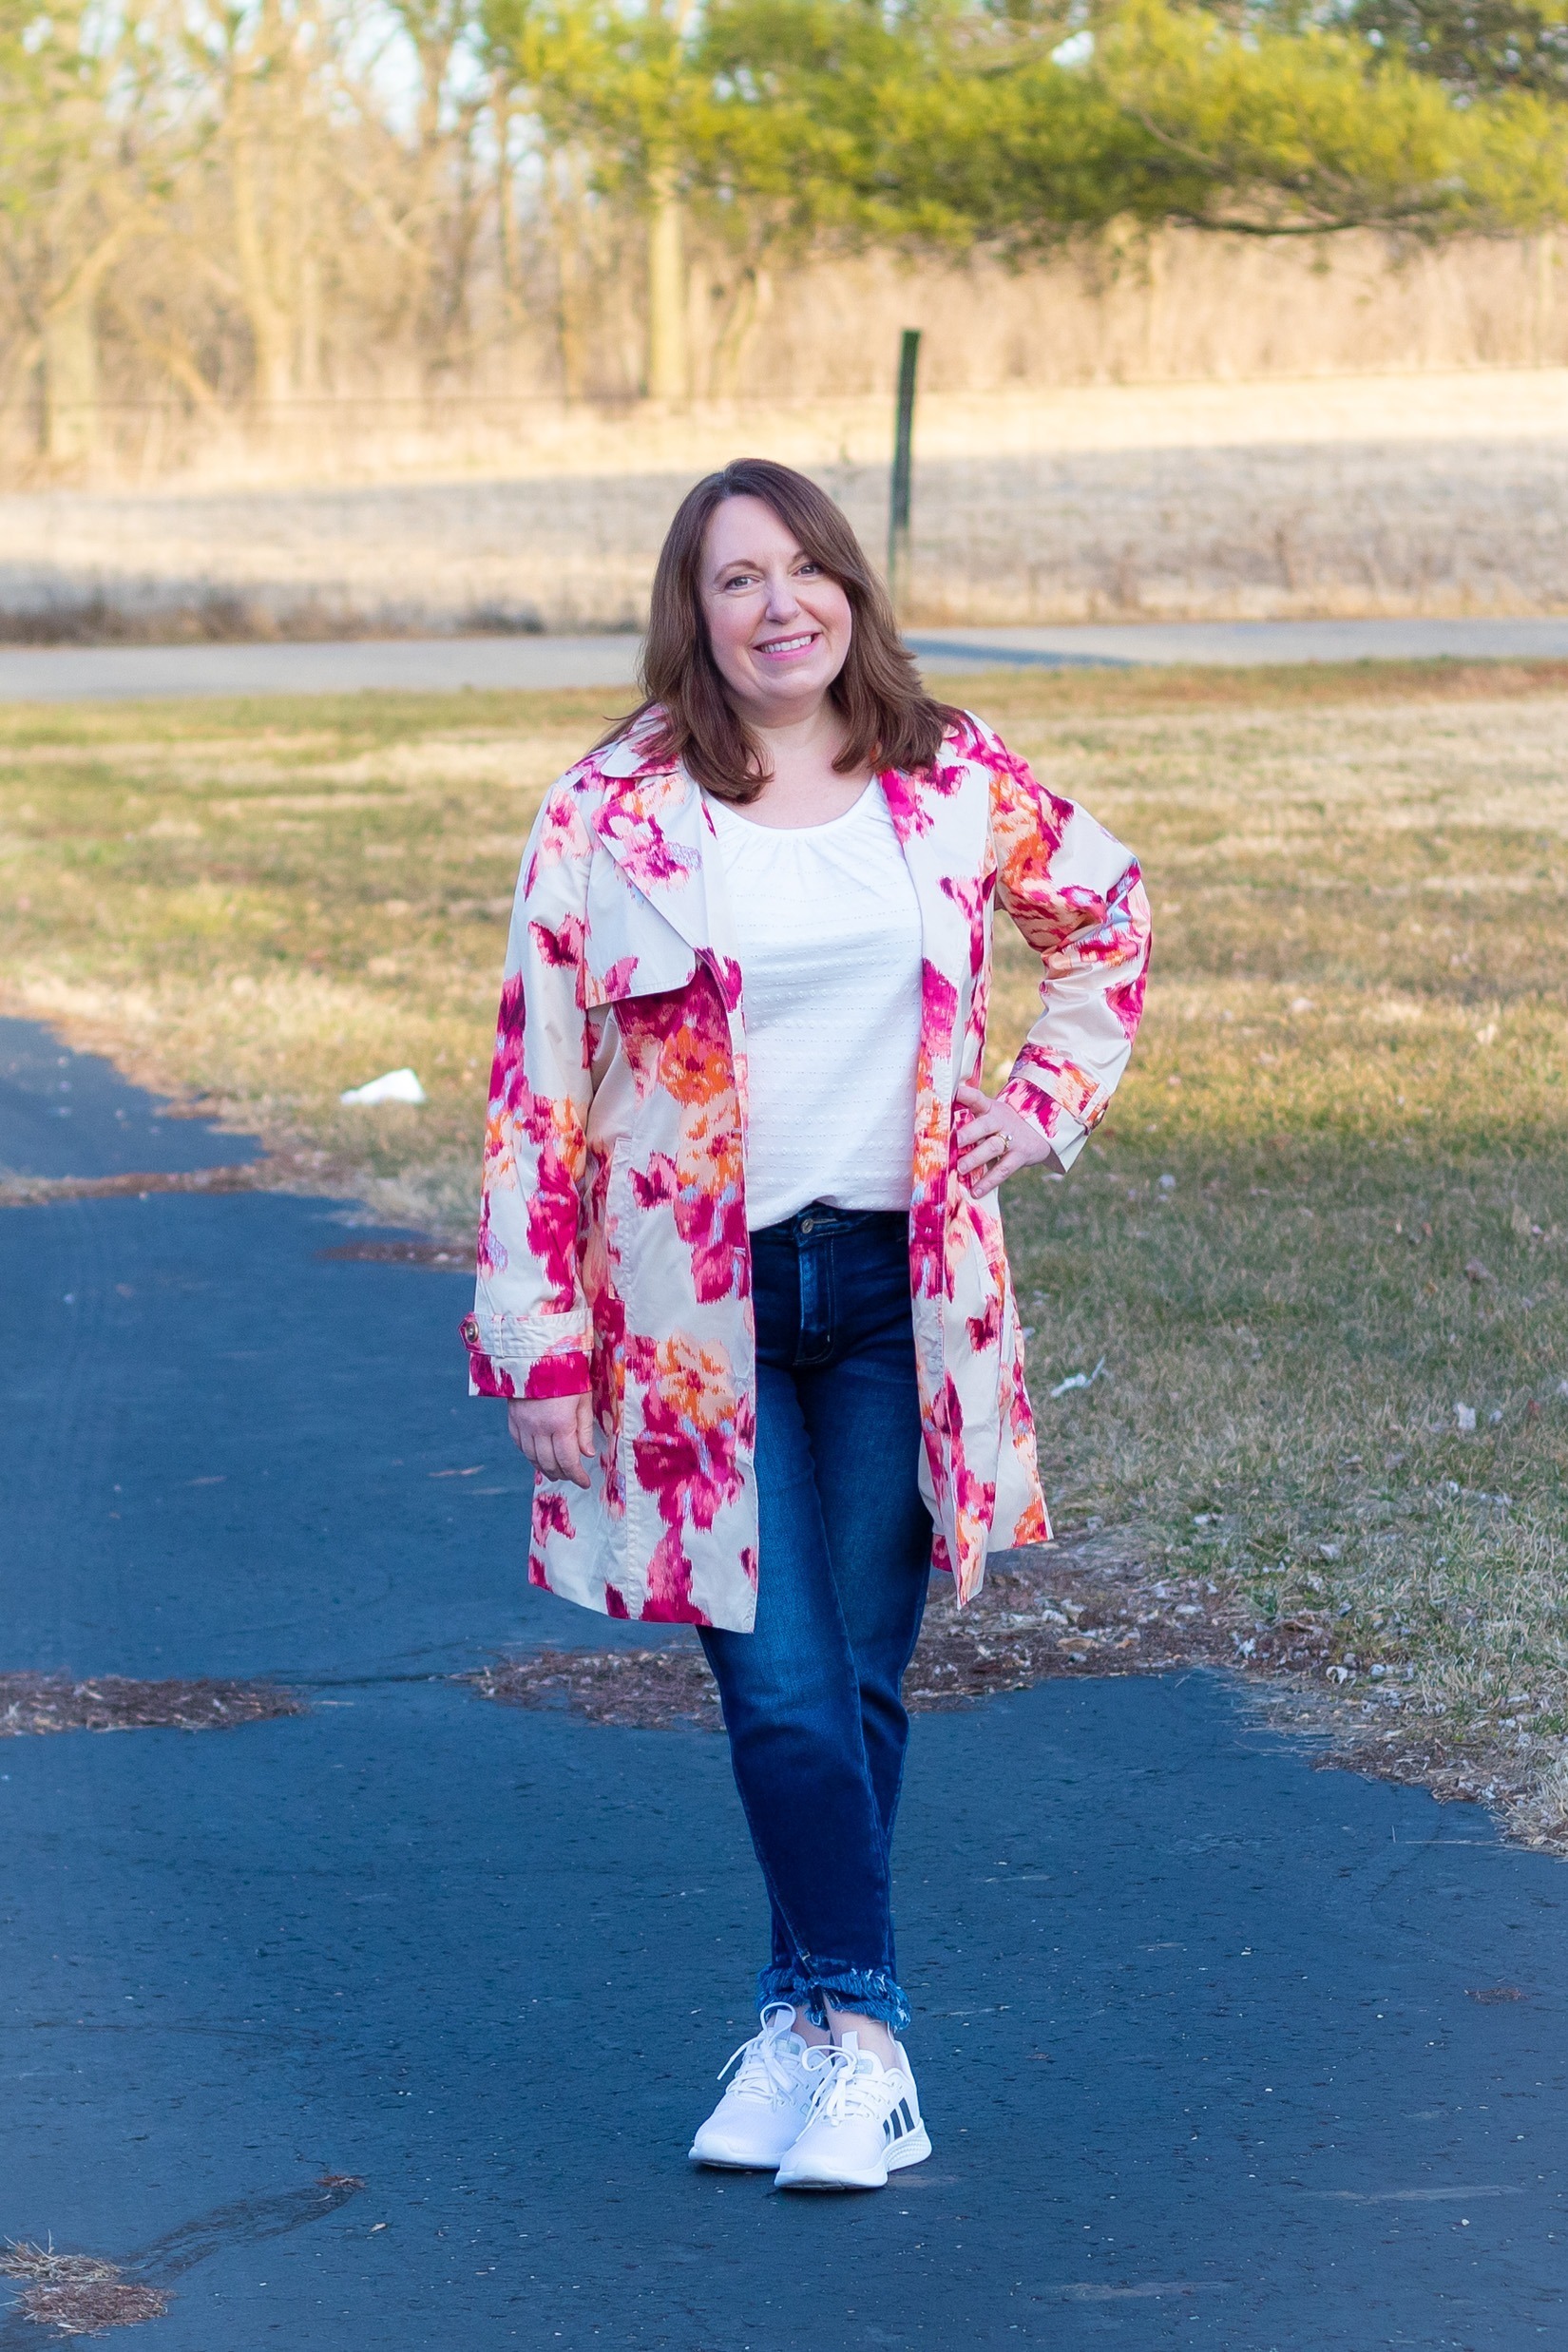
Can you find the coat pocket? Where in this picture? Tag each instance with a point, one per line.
(628, 948)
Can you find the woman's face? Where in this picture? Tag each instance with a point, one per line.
(779, 626)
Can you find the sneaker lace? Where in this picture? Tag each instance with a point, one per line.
(760, 2068)
(847, 2089)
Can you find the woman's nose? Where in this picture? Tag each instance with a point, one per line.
(782, 601)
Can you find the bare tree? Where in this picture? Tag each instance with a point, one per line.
(91, 138)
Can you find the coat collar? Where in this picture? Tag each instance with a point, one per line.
(652, 819)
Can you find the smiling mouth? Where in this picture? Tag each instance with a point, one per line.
(777, 647)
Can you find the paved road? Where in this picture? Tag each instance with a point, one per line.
(110, 673)
(1223, 643)
(69, 1114)
(1197, 2035)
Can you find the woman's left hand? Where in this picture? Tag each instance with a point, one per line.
(995, 1141)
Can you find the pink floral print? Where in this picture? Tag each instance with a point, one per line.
(682, 1045)
(614, 1258)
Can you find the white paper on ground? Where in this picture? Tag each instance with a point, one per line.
(392, 1086)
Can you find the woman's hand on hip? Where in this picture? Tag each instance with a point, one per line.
(995, 1142)
(556, 1434)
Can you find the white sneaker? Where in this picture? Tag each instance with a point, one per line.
(864, 2124)
(763, 2108)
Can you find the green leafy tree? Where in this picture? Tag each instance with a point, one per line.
(1473, 46)
(955, 129)
(1304, 132)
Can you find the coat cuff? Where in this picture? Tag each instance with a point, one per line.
(560, 1371)
(1066, 1135)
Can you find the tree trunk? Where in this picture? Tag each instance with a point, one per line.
(1155, 264)
(563, 211)
(505, 225)
(669, 366)
(1542, 341)
(270, 326)
(310, 326)
(750, 300)
(70, 380)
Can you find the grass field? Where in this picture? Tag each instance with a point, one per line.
(1330, 1209)
(1328, 496)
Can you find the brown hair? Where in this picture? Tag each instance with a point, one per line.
(889, 721)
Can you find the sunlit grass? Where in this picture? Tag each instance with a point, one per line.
(264, 904)
(1330, 1206)
(1352, 1075)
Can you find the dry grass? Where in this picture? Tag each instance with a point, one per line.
(264, 905)
(1393, 494)
(642, 1690)
(24, 1191)
(1332, 1206)
(30, 1703)
(1099, 1605)
(78, 2294)
(438, 1257)
(1353, 1074)
(1085, 1608)
(1238, 317)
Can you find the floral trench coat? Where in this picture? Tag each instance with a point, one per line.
(613, 1249)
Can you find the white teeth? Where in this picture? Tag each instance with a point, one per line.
(785, 644)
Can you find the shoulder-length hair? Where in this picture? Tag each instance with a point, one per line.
(889, 721)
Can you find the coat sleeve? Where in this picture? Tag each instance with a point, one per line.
(529, 1333)
(1078, 898)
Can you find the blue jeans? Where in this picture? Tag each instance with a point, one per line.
(811, 1696)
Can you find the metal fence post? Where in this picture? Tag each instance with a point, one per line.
(898, 502)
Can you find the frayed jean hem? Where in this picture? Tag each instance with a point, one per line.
(780, 1980)
(816, 1986)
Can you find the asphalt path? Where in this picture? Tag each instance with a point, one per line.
(448, 665)
(65, 1113)
(1197, 2029)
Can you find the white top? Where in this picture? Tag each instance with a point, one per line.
(829, 931)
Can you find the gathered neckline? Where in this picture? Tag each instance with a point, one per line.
(795, 832)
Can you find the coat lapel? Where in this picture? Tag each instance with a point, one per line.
(929, 825)
(652, 821)
(933, 824)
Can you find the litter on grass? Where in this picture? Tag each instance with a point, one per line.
(1080, 1379)
(392, 1086)
(1465, 1416)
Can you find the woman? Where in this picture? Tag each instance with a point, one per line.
(741, 1264)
